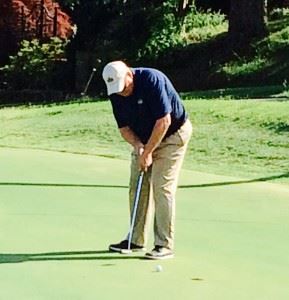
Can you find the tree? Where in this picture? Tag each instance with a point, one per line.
(247, 22)
(183, 6)
(34, 64)
(30, 19)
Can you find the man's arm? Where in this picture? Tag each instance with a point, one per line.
(129, 136)
(159, 131)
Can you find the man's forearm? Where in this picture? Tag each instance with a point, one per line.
(159, 131)
(129, 136)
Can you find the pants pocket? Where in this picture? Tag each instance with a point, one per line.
(185, 132)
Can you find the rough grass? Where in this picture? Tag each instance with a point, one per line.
(245, 137)
(237, 137)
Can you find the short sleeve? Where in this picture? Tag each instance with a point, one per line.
(119, 112)
(157, 94)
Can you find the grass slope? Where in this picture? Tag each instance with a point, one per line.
(247, 138)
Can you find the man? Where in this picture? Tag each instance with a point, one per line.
(150, 117)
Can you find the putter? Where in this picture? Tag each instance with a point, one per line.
(88, 82)
(134, 211)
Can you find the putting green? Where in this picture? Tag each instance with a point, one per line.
(58, 213)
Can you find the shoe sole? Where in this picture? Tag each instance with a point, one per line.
(119, 250)
(159, 257)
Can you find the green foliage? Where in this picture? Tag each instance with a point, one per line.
(201, 26)
(163, 33)
(242, 67)
(34, 63)
(267, 58)
(170, 30)
(139, 29)
(200, 19)
(278, 40)
(278, 13)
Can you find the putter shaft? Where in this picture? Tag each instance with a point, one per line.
(135, 206)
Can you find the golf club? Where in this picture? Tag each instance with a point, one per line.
(134, 211)
(88, 82)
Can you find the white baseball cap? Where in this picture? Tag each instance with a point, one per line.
(114, 74)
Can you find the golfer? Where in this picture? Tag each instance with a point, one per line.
(150, 117)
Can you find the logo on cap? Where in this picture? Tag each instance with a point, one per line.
(110, 79)
(140, 101)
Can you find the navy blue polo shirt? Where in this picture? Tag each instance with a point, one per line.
(153, 97)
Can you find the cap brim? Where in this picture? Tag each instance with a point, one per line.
(115, 87)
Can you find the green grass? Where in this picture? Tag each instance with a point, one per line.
(231, 239)
(246, 138)
(237, 137)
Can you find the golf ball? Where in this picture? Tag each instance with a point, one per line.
(159, 268)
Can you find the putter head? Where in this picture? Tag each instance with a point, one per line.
(126, 251)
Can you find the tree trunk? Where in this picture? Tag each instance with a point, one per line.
(183, 6)
(247, 21)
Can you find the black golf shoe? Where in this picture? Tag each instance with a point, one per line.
(124, 246)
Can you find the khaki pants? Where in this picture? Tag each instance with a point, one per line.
(159, 189)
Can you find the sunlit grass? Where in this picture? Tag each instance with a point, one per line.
(230, 137)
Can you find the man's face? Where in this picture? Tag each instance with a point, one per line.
(128, 86)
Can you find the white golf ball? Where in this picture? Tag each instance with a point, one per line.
(159, 268)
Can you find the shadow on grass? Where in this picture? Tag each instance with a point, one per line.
(62, 185)
(261, 179)
(268, 92)
(64, 256)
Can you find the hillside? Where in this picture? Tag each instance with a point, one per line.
(245, 138)
(210, 64)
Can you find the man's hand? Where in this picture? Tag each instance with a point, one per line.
(139, 148)
(145, 161)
